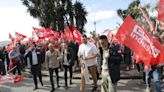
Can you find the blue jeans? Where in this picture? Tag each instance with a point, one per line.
(156, 78)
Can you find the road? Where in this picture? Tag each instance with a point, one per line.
(124, 85)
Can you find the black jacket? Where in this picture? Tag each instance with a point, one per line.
(114, 62)
(70, 56)
(39, 56)
(2, 56)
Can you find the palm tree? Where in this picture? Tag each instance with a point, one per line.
(131, 10)
(80, 16)
(56, 14)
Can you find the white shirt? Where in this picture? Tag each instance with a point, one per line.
(34, 58)
(88, 49)
(105, 70)
(65, 57)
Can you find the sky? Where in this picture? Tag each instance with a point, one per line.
(14, 16)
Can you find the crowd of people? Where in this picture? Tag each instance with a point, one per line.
(102, 58)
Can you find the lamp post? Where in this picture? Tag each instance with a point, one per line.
(95, 25)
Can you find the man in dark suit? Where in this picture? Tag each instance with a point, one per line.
(68, 62)
(34, 56)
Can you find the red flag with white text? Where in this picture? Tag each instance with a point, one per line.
(51, 33)
(139, 41)
(40, 32)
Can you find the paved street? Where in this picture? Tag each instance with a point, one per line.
(124, 85)
(27, 86)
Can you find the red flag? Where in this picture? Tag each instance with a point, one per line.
(161, 58)
(162, 27)
(19, 36)
(147, 20)
(63, 36)
(11, 38)
(109, 35)
(56, 36)
(40, 32)
(9, 47)
(6, 78)
(76, 35)
(114, 39)
(161, 10)
(68, 34)
(11, 78)
(139, 41)
(30, 40)
(34, 37)
(51, 33)
(18, 78)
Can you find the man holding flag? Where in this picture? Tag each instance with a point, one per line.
(15, 60)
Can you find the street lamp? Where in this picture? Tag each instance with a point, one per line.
(95, 25)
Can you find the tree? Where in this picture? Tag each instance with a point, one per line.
(93, 34)
(80, 16)
(134, 11)
(56, 14)
(131, 10)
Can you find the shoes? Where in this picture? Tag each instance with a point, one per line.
(70, 82)
(58, 86)
(41, 84)
(66, 87)
(127, 69)
(52, 90)
(94, 89)
(35, 88)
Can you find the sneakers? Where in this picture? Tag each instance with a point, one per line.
(147, 89)
(58, 86)
(127, 68)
